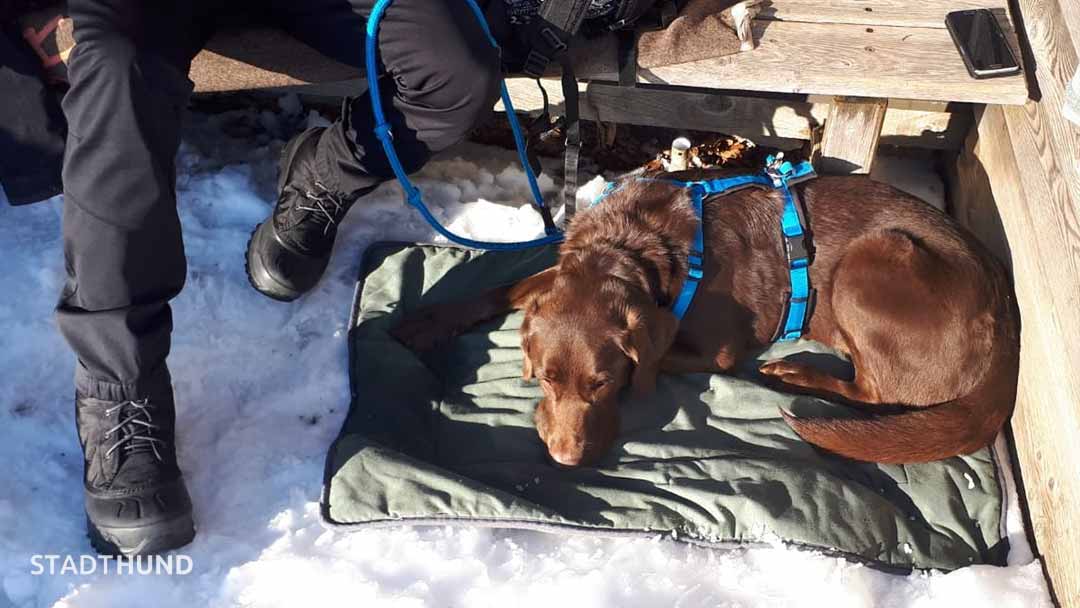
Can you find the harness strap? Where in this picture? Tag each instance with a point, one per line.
(797, 250)
(696, 260)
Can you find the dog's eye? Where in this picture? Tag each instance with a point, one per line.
(599, 383)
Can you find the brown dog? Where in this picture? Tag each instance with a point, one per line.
(926, 315)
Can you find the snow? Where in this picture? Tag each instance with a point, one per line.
(262, 390)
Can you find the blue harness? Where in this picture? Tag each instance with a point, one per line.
(780, 175)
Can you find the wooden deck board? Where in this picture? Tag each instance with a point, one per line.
(902, 13)
(770, 120)
(854, 60)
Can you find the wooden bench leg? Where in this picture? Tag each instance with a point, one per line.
(851, 134)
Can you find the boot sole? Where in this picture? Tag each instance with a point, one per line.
(144, 540)
(259, 278)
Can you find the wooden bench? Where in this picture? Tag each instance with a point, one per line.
(864, 71)
(854, 73)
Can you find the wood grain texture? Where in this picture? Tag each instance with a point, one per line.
(1046, 425)
(838, 59)
(1030, 156)
(1069, 13)
(758, 119)
(1047, 151)
(930, 13)
(850, 141)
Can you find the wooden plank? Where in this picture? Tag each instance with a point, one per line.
(1031, 158)
(1069, 13)
(971, 195)
(870, 12)
(850, 142)
(763, 120)
(259, 58)
(1044, 234)
(838, 59)
(1034, 209)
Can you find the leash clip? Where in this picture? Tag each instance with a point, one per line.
(778, 169)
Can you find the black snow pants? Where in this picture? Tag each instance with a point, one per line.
(32, 126)
(129, 86)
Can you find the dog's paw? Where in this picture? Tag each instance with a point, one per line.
(426, 328)
(780, 369)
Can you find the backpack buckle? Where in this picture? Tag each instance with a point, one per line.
(552, 38)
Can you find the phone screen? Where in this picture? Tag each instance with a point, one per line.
(982, 38)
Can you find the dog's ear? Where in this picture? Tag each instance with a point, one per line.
(523, 295)
(650, 332)
(526, 296)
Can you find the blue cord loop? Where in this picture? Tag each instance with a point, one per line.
(385, 135)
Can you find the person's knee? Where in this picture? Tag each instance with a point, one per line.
(102, 57)
(110, 68)
(468, 96)
(478, 90)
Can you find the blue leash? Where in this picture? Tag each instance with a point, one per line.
(412, 193)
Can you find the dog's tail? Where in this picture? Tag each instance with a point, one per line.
(924, 434)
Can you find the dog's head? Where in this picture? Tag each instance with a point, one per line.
(585, 339)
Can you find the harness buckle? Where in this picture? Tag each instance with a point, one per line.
(696, 264)
(553, 39)
(796, 250)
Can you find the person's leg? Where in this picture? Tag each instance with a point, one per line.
(32, 127)
(441, 76)
(125, 260)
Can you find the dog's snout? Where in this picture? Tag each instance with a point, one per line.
(566, 456)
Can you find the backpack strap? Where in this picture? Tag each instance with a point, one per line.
(628, 57)
(572, 127)
(551, 31)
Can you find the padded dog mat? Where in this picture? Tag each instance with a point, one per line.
(447, 438)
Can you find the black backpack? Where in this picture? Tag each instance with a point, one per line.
(551, 33)
(559, 21)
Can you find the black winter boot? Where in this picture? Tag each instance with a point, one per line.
(136, 501)
(288, 254)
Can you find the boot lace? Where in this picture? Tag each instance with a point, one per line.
(135, 430)
(324, 206)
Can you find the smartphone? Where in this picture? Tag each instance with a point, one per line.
(982, 43)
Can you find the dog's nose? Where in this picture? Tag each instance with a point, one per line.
(565, 457)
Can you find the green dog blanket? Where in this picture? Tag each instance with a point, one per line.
(447, 438)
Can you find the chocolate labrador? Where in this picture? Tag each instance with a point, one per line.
(927, 317)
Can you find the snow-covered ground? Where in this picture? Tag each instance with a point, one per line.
(261, 389)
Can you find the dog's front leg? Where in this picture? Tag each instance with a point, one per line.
(424, 328)
(680, 359)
